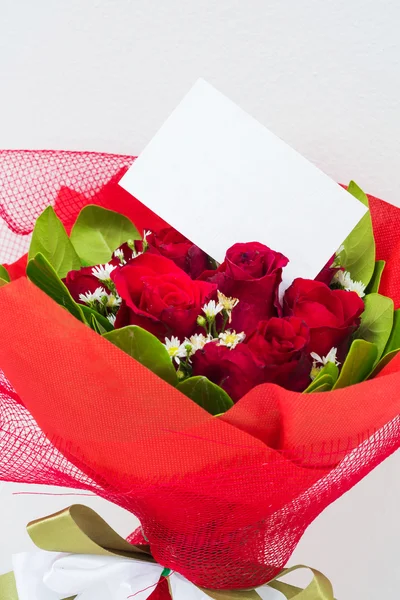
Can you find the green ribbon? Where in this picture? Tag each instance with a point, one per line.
(8, 591)
(79, 530)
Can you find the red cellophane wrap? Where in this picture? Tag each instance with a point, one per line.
(224, 501)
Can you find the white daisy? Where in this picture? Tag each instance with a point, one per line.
(228, 304)
(113, 300)
(96, 296)
(323, 360)
(103, 272)
(112, 319)
(197, 342)
(175, 349)
(230, 338)
(358, 287)
(212, 309)
(120, 255)
(343, 278)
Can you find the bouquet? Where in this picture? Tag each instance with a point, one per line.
(217, 331)
(225, 412)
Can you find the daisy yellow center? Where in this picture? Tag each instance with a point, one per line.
(173, 350)
(230, 338)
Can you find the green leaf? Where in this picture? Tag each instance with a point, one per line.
(383, 362)
(206, 394)
(374, 284)
(98, 232)
(323, 387)
(92, 315)
(50, 239)
(392, 347)
(358, 364)
(376, 321)
(3, 282)
(358, 254)
(394, 338)
(146, 349)
(329, 369)
(95, 325)
(323, 380)
(4, 274)
(42, 274)
(358, 193)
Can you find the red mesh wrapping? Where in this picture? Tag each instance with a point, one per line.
(224, 501)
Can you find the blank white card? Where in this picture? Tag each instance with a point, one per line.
(220, 177)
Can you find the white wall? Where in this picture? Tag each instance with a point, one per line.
(322, 74)
(103, 75)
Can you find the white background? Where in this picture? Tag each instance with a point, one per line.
(323, 75)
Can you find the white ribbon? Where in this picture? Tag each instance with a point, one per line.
(44, 575)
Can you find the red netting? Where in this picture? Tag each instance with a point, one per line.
(223, 501)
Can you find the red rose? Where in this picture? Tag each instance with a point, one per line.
(281, 347)
(172, 244)
(158, 296)
(251, 272)
(332, 315)
(80, 282)
(235, 370)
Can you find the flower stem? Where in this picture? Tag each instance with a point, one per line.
(214, 329)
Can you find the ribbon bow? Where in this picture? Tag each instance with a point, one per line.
(51, 576)
(80, 557)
